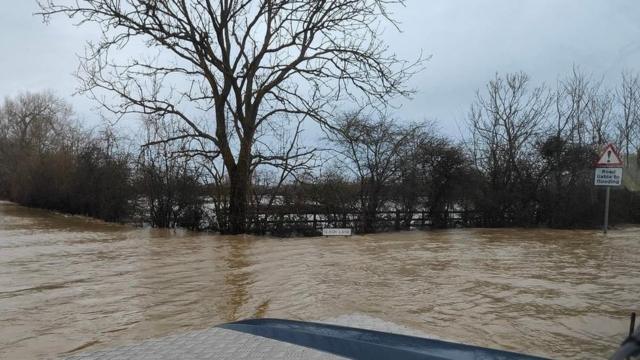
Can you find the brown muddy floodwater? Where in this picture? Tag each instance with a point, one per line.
(70, 284)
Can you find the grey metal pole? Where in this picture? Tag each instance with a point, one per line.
(606, 209)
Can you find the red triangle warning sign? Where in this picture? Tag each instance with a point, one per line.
(609, 157)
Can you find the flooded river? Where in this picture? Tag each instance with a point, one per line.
(70, 284)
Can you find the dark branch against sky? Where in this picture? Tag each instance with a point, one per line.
(470, 40)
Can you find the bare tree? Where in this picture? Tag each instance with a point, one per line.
(583, 110)
(241, 63)
(281, 148)
(334, 193)
(443, 171)
(580, 120)
(576, 91)
(31, 124)
(504, 126)
(629, 124)
(370, 148)
(599, 115)
(505, 122)
(36, 120)
(167, 181)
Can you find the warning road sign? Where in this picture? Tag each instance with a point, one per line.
(608, 173)
(609, 158)
(608, 177)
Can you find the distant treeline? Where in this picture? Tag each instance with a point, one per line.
(47, 160)
(526, 160)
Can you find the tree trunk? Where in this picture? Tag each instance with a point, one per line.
(240, 183)
(239, 190)
(240, 178)
(371, 214)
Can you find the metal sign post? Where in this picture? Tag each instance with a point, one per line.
(606, 209)
(608, 173)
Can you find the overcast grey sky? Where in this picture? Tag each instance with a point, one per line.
(470, 41)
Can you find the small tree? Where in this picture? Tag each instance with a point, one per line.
(446, 171)
(334, 194)
(168, 183)
(370, 148)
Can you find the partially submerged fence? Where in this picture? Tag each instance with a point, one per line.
(312, 222)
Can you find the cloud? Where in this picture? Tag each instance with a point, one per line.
(470, 41)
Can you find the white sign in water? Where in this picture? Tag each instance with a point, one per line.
(608, 177)
(336, 232)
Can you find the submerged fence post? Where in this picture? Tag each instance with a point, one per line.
(397, 220)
